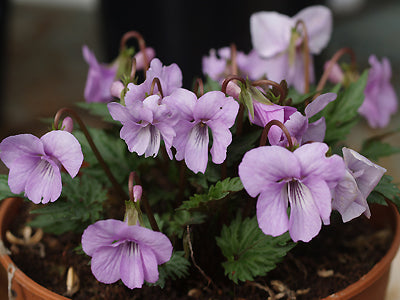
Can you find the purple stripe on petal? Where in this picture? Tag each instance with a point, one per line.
(131, 268)
(196, 150)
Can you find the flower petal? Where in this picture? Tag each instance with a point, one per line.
(319, 104)
(315, 132)
(270, 32)
(222, 138)
(322, 194)
(44, 182)
(63, 146)
(305, 221)
(272, 209)
(154, 143)
(20, 172)
(106, 263)
(131, 269)
(102, 233)
(184, 101)
(15, 147)
(196, 150)
(267, 165)
(119, 112)
(149, 262)
(318, 20)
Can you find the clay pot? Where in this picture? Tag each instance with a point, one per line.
(22, 286)
(371, 286)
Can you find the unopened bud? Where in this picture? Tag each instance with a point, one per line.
(137, 193)
(140, 63)
(67, 124)
(232, 89)
(336, 74)
(116, 89)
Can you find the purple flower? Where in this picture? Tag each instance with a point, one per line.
(350, 195)
(302, 178)
(170, 78)
(99, 79)
(35, 163)
(212, 111)
(380, 98)
(299, 127)
(129, 253)
(274, 40)
(144, 123)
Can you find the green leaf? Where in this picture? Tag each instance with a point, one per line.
(81, 205)
(342, 114)
(216, 192)
(178, 221)
(249, 252)
(5, 191)
(375, 149)
(97, 109)
(385, 189)
(176, 267)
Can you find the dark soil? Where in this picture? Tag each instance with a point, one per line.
(339, 256)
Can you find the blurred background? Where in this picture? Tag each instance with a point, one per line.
(42, 68)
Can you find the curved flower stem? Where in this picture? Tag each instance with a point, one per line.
(198, 87)
(239, 127)
(153, 83)
(263, 82)
(82, 126)
(306, 56)
(146, 206)
(230, 78)
(234, 66)
(133, 70)
(264, 135)
(335, 58)
(142, 45)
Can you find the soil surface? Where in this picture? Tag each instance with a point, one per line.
(339, 256)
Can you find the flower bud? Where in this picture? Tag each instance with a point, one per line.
(140, 63)
(137, 193)
(232, 89)
(336, 75)
(67, 124)
(116, 89)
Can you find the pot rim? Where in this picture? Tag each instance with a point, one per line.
(363, 283)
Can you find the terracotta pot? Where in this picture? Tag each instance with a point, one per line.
(22, 287)
(371, 286)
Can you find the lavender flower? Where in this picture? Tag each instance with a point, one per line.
(300, 128)
(380, 98)
(302, 178)
(35, 163)
(212, 111)
(99, 79)
(275, 40)
(350, 195)
(130, 253)
(143, 125)
(170, 78)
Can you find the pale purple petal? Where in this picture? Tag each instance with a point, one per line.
(213, 66)
(44, 182)
(263, 113)
(272, 210)
(212, 103)
(168, 134)
(65, 148)
(105, 264)
(318, 20)
(366, 173)
(20, 172)
(170, 76)
(222, 138)
(102, 233)
(131, 269)
(295, 75)
(150, 267)
(119, 112)
(270, 32)
(305, 221)
(264, 165)
(321, 194)
(116, 89)
(315, 132)
(312, 158)
(296, 125)
(154, 142)
(319, 104)
(156, 241)
(196, 150)
(19, 146)
(184, 101)
(336, 75)
(150, 54)
(136, 137)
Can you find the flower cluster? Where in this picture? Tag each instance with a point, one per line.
(299, 171)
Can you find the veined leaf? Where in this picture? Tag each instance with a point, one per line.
(249, 252)
(216, 192)
(385, 189)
